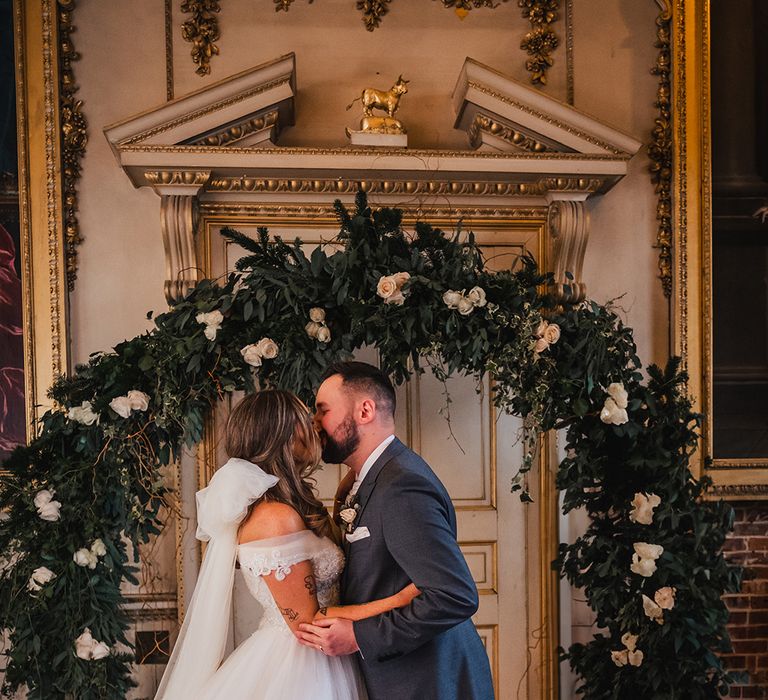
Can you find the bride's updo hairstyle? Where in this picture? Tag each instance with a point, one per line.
(273, 429)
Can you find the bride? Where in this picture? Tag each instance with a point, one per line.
(260, 510)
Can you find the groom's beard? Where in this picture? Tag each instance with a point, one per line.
(342, 443)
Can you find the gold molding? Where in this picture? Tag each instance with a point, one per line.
(74, 137)
(169, 50)
(569, 75)
(373, 12)
(236, 132)
(660, 148)
(514, 137)
(541, 41)
(201, 30)
(43, 252)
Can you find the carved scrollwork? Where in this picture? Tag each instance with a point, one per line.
(178, 217)
(568, 224)
(202, 30)
(74, 136)
(541, 41)
(660, 148)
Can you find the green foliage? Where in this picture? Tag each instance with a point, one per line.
(109, 476)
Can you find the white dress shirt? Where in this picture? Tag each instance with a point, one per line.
(369, 463)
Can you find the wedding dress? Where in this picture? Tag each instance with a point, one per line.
(270, 664)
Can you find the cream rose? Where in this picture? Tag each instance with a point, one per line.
(121, 405)
(99, 651)
(251, 355)
(541, 328)
(98, 548)
(620, 658)
(451, 298)
(84, 645)
(83, 414)
(540, 346)
(212, 321)
(267, 348)
(642, 508)
(386, 286)
(465, 306)
(648, 551)
(40, 576)
(47, 508)
(401, 278)
(138, 400)
(635, 658)
(324, 334)
(652, 610)
(619, 394)
(398, 299)
(84, 557)
(317, 314)
(551, 333)
(629, 640)
(665, 597)
(477, 296)
(311, 329)
(613, 414)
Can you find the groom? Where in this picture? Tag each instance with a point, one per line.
(404, 531)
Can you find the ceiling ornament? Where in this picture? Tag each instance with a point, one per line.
(201, 31)
(541, 41)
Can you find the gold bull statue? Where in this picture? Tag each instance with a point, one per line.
(388, 101)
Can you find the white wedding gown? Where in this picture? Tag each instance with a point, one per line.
(271, 664)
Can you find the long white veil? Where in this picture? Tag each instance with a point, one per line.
(221, 506)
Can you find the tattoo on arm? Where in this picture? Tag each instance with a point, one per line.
(323, 611)
(310, 585)
(290, 613)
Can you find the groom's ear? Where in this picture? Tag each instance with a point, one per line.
(367, 411)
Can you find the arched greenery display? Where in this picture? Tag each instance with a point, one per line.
(649, 562)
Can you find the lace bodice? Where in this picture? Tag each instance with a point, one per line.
(279, 554)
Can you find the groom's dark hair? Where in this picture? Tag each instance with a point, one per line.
(365, 378)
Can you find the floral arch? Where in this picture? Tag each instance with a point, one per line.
(649, 563)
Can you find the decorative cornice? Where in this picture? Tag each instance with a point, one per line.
(660, 148)
(739, 491)
(541, 41)
(186, 178)
(514, 137)
(237, 132)
(201, 31)
(506, 188)
(73, 136)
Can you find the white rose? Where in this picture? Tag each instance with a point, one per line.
(386, 286)
(98, 548)
(84, 645)
(401, 278)
(652, 610)
(83, 414)
(551, 333)
(451, 299)
(100, 650)
(620, 658)
(84, 557)
(317, 314)
(138, 400)
(348, 515)
(43, 497)
(47, 508)
(642, 510)
(211, 331)
(619, 394)
(251, 355)
(541, 328)
(210, 318)
(477, 296)
(267, 348)
(648, 551)
(635, 658)
(613, 414)
(665, 597)
(312, 328)
(39, 578)
(398, 299)
(541, 345)
(121, 405)
(324, 334)
(629, 640)
(465, 306)
(643, 567)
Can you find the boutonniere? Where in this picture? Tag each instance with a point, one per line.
(348, 515)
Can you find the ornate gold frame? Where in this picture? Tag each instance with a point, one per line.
(43, 254)
(691, 324)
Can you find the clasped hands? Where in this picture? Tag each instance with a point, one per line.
(333, 636)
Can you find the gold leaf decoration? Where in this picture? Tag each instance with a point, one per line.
(201, 31)
(541, 41)
(462, 7)
(373, 11)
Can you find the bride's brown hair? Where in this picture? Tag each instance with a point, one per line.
(273, 429)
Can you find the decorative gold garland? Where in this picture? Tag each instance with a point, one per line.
(73, 137)
(201, 31)
(660, 148)
(541, 41)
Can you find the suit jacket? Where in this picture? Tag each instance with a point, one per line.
(428, 650)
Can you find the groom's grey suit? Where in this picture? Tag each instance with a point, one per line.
(428, 650)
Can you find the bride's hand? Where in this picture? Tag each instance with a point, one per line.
(406, 595)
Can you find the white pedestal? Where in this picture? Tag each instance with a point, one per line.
(370, 138)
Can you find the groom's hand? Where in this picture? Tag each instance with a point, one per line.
(332, 636)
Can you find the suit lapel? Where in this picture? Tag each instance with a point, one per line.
(369, 483)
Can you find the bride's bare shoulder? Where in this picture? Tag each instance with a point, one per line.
(270, 519)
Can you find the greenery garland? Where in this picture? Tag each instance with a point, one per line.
(92, 482)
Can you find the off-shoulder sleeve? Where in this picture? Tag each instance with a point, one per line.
(278, 554)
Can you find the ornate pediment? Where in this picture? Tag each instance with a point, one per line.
(504, 115)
